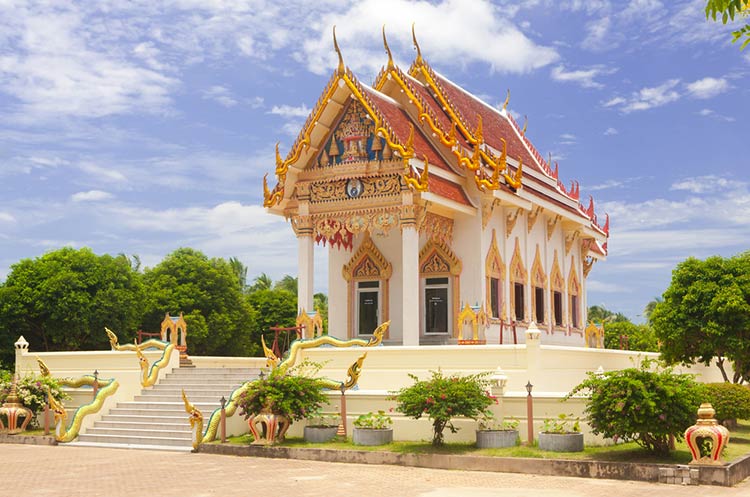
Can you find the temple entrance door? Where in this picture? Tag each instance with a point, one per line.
(368, 307)
(437, 313)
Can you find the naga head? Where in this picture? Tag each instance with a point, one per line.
(354, 371)
(112, 338)
(196, 416)
(43, 369)
(57, 408)
(271, 360)
(378, 334)
(142, 361)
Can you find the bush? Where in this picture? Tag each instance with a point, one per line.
(294, 393)
(646, 407)
(31, 390)
(377, 421)
(730, 400)
(562, 424)
(442, 398)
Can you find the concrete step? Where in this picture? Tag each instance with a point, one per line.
(105, 445)
(139, 440)
(177, 390)
(136, 432)
(145, 419)
(208, 399)
(155, 426)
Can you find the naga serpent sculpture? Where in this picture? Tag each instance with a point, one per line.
(153, 342)
(149, 376)
(106, 388)
(353, 372)
(196, 421)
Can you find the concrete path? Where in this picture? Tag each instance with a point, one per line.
(61, 471)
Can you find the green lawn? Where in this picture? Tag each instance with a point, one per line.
(739, 445)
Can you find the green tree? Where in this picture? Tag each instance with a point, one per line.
(288, 283)
(649, 309)
(320, 303)
(274, 308)
(600, 314)
(728, 9)
(639, 336)
(220, 320)
(261, 282)
(240, 271)
(705, 314)
(64, 299)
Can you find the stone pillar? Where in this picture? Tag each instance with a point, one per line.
(22, 348)
(533, 353)
(410, 276)
(305, 256)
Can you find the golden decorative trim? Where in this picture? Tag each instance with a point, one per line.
(488, 207)
(538, 280)
(417, 182)
(594, 336)
(588, 263)
(552, 224)
(531, 218)
(507, 101)
(312, 323)
(557, 282)
(476, 319)
(570, 237)
(374, 186)
(574, 290)
(437, 227)
(302, 225)
(517, 275)
(510, 221)
(494, 268)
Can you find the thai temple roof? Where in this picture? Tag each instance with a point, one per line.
(452, 144)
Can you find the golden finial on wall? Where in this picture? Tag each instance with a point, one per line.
(418, 61)
(340, 69)
(387, 50)
(507, 99)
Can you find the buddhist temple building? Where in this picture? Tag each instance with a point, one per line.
(437, 213)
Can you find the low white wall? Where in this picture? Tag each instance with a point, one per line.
(228, 362)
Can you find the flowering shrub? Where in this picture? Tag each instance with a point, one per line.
(295, 393)
(442, 398)
(31, 390)
(730, 400)
(378, 421)
(642, 406)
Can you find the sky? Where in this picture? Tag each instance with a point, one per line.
(143, 126)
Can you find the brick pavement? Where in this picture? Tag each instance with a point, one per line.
(85, 471)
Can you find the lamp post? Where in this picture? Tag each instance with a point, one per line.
(96, 382)
(223, 418)
(341, 432)
(530, 413)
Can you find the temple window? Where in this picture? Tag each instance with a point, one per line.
(557, 308)
(495, 293)
(368, 306)
(518, 303)
(437, 305)
(574, 310)
(539, 304)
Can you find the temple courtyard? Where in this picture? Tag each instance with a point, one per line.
(85, 471)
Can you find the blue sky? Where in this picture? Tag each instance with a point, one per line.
(139, 127)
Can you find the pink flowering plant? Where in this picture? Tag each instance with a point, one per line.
(442, 398)
(640, 405)
(295, 393)
(31, 390)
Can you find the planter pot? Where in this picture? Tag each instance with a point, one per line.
(320, 434)
(561, 442)
(492, 439)
(369, 436)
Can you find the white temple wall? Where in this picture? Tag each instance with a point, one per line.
(467, 234)
(337, 292)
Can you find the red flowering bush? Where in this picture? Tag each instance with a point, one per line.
(442, 398)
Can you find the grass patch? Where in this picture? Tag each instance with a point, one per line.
(739, 445)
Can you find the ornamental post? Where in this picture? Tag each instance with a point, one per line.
(305, 262)
(410, 276)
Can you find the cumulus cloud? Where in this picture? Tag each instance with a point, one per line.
(706, 184)
(647, 98)
(290, 111)
(610, 131)
(220, 95)
(6, 217)
(91, 196)
(582, 77)
(707, 87)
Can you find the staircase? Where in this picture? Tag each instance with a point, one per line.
(156, 419)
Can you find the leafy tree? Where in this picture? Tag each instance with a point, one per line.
(639, 336)
(240, 271)
(649, 309)
(220, 320)
(442, 398)
(600, 314)
(261, 282)
(705, 314)
(642, 406)
(320, 302)
(730, 400)
(274, 308)
(288, 283)
(728, 9)
(64, 299)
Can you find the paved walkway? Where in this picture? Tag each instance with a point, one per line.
(40, 471)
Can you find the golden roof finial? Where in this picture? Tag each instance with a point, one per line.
(419, 60)
(341, 68)
(525, 124)
(387, 50)
(507, 99)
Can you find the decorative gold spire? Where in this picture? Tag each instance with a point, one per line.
(341, 69)
(391, 65)
(418, 60)
(507, 99)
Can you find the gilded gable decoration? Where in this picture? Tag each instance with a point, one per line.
(532, 217)
(510, 221)
(517, 269)
(573, 285)
(355, 188)
(588, 263)
(574, 291)
(437, 227)
(557, 282)
(437, 257)
(570, 237)
(488, 207)
(552, 224)
(557, 285)
(538, 276)
(494, 268)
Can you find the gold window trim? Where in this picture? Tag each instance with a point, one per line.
(517, 275)
(367, 264)
(557, 284)
(538, 280)
(574, 289)
(437, 259)
(495, 268)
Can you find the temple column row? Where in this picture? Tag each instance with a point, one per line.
(410, 276)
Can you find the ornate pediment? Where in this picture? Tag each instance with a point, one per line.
(538, 276)
(353, 139)
(517, 268)
(367, 263)
(557, 282)
(437, 257)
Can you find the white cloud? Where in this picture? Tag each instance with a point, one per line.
(600, 286)
(706, 184)
(707, 87)
(647, 98)
(290, 111)
(90, 196)
(221, 95)
(567, 139)
(715, 115)
(610, 131)
(6, 217)
(597, 34)
(108, 174)
(450, 32)
(582, 77)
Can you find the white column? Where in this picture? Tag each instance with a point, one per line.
(305, 271)
(410, 276)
